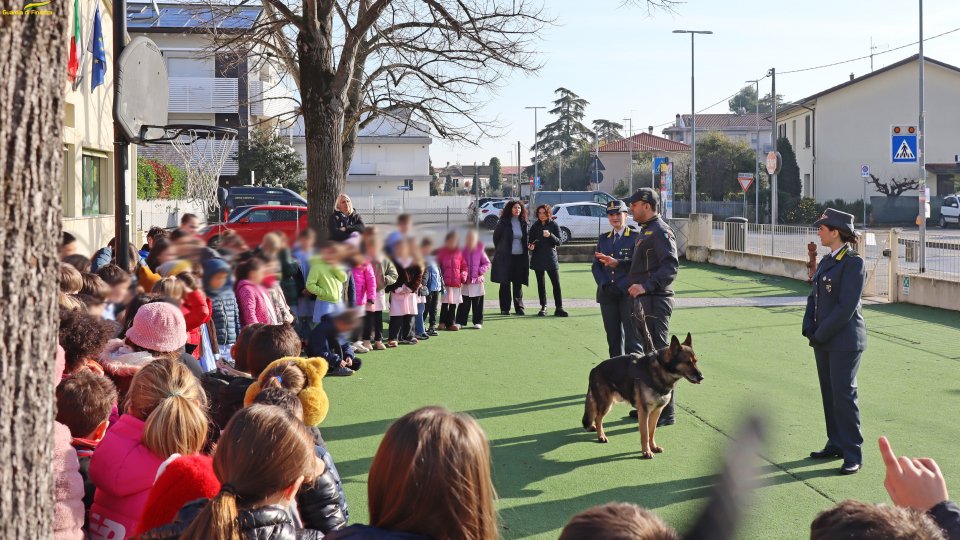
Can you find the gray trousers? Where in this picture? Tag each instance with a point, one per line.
(837, 371)
(657, 310)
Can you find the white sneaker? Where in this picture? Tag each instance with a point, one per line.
(478, 326)
(359, 348)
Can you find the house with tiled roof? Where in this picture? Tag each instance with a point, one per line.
(615, 157)
(739, 127)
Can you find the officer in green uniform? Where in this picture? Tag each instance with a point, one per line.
(833, 323)
(611, 266)
(652, 271)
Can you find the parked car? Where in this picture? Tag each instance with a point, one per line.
(950, 211)
(554, 198)
(490, 213)
(474, 204)
(584, 220)
(238, 197)
(252, 223)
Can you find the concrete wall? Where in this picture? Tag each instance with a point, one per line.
(928, 291)
(772, 266)
(88, 130)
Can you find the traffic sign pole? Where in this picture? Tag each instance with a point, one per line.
(864, 175)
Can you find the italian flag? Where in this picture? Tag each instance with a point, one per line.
(73, 65)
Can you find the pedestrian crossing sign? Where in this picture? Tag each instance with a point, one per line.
(903, 147)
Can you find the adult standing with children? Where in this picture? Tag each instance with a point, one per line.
(345, 220)
(544, 239)
(511, 257)
(653, 268)
(833, 323)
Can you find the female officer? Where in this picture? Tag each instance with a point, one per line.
(833, 323)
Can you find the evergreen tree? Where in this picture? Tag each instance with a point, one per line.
(494, 174)
(788, 181)
(567, 133)
(273, 161)
(745, 102)
(607, 131)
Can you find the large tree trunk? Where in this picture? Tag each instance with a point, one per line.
(322, 110)
(32, 74)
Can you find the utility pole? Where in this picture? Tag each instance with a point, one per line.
(560, 171)
(121, 146)
(693, 118)
(922, 160)
(536, 146)
(518, 169)
(630, 140)
(773, 178)
(756, 159)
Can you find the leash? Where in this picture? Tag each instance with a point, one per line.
(641, 317)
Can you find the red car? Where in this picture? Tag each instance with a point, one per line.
(254, 222)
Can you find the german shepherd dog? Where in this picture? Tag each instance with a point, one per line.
(646, 382)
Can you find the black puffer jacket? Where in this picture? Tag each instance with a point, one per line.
(322, 504)
(342, 226)
(264, 523)
(544, 254)
(225, 395)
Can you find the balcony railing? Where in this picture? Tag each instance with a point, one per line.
(270, 99)
(202, 95)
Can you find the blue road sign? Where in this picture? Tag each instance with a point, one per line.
(657, 161)
(536, 184)
(903, 144)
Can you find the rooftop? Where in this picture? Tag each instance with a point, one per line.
(721, 121)
(186, 18)
(645, 142)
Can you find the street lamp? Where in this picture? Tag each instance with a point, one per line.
(756, 157)
(536, 146)
(693, 121)
(629, 135)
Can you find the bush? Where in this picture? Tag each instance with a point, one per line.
(146, 180)
(621, 190)
(157, 180)
(178, 182)
(802, 211)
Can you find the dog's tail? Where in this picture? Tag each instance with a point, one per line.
(589, 407)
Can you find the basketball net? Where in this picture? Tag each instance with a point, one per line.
(203, 154)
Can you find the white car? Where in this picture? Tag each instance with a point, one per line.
(490, 213)
(584, 220)
(950, 211)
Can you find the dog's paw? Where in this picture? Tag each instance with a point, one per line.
(646, 455)
(602, 439)
(657, 449)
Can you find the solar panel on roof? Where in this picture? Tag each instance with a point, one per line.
(189, 17)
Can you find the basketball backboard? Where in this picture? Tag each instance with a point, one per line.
(142, 91)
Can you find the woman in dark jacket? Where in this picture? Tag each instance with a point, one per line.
(833, 323)
(544, 239)
(511, 258)
(345, 220)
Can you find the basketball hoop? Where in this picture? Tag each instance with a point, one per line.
(203, 150)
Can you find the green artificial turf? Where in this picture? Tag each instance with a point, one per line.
(695, 280)
(524, 379)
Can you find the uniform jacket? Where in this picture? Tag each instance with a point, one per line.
(365, 284)
(833, 320)
(366, 532)
(326, 281)
(328, 344)
(385, 272)
(352, 224)
(452, 267)
(544, 255)
(254, 304)
(477, 263)
(503, 247)
(612, 283)
(123, 469)
(264, 523)
(655, 263)
(223, 303)
(68, 508)
(947, 516)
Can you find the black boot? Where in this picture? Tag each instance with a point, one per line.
(560, 313)
(542, 312)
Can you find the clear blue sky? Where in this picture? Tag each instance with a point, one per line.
(630, 65)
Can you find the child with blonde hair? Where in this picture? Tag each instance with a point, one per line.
(164, 415)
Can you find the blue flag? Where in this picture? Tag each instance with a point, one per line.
(99, 54)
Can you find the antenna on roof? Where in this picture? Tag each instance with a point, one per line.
(874, 48)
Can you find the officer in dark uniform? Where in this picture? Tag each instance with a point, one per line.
(652, 271)
(611, 265)
(833, 323)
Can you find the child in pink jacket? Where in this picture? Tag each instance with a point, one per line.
(164, 416)
(68, 487)
(454, 272)
(477, 263)
(365, 288)
(253, 300)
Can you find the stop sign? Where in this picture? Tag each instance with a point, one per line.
(774, 163)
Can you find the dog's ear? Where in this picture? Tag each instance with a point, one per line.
(674, 345)
(689, 341)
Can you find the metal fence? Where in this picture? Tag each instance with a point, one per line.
(388, 216)
(787, 241)
(719, 209)
(942, 255)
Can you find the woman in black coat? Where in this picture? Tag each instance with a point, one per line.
(511, 258)
(544, 239)
(345, 220)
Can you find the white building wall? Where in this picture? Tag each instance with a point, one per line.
(853, 128)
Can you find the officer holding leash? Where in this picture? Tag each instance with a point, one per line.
(833, 323)
(611, 266)
(652, 271)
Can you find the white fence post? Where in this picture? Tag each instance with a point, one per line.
(893, 279)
